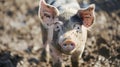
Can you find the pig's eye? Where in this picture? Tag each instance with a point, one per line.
(57, 27)
(77, 28)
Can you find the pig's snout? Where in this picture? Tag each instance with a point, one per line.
(68, 45)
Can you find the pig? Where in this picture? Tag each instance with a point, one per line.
(64, 29)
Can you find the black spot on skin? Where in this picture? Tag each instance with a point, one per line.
(41, 17)
(77, 31)
(51, 50)
(48, 6)
(47, 24)
(46, 15)
(90, 14)
(53, 17)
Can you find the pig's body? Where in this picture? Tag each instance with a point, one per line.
(64, 26)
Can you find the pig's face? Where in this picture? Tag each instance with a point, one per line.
(70, 28)
(69, 33)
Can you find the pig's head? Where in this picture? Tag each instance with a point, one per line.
(70, 28)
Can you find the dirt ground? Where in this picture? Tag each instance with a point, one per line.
(20, 35)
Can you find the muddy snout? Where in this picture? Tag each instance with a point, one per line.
(68, 45)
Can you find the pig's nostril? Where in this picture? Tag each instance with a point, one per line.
(64, 44)
(72, 44)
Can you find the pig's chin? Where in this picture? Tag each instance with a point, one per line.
(68, 52)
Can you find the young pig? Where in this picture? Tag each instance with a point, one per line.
(64, 26)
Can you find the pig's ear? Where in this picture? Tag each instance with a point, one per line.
(47, 13)
(87, 15)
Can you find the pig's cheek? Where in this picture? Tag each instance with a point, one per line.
(77, 42)
(61, 38)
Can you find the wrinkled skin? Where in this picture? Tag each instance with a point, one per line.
(65, 32)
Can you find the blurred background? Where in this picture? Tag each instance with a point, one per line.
(20, 34)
